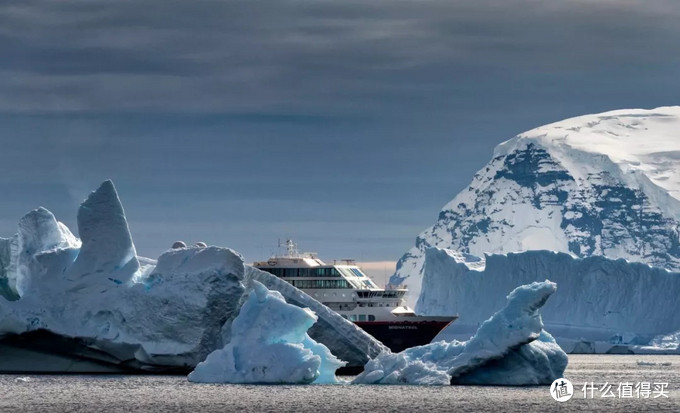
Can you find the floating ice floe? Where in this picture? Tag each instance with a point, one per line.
(269, 344)
(510, 348)
(667, 341)
(652, 363)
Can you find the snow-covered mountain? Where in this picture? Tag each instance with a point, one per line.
(604, 184)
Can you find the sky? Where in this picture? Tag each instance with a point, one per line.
(343, 125)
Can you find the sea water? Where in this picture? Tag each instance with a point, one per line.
(121, 393)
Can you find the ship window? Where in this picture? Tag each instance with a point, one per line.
(323, 272)
(362, 317)
(356, 272)
(327, 284)
(344, 316)
(353, 317)
(371, 317)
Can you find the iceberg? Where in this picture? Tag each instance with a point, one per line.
(104, 305)
(345, 340)
(269, 344)
(604, 305)
(595, 185)
(511, 348)
(93, 305)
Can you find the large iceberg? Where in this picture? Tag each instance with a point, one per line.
(269, 344)
(112, 309)
(92, 304)
(603, 305)
(510, 348)
(603, 184)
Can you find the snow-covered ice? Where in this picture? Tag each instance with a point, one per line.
(603, 305)
(510, 348)
(269, 344)
(603, 184)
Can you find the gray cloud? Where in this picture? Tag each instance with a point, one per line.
(312, 56)
(238, 122)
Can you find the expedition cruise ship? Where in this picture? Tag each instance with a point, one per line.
(344, 288)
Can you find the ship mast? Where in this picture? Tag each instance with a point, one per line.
(291, 248)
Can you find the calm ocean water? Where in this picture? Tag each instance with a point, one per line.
(86, 393)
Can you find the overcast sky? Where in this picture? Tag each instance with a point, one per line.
(346, 125)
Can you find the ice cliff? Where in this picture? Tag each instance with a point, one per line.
(603, 305)
(269, 344)
(92, 304)
(603, 184)
(510, 348)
